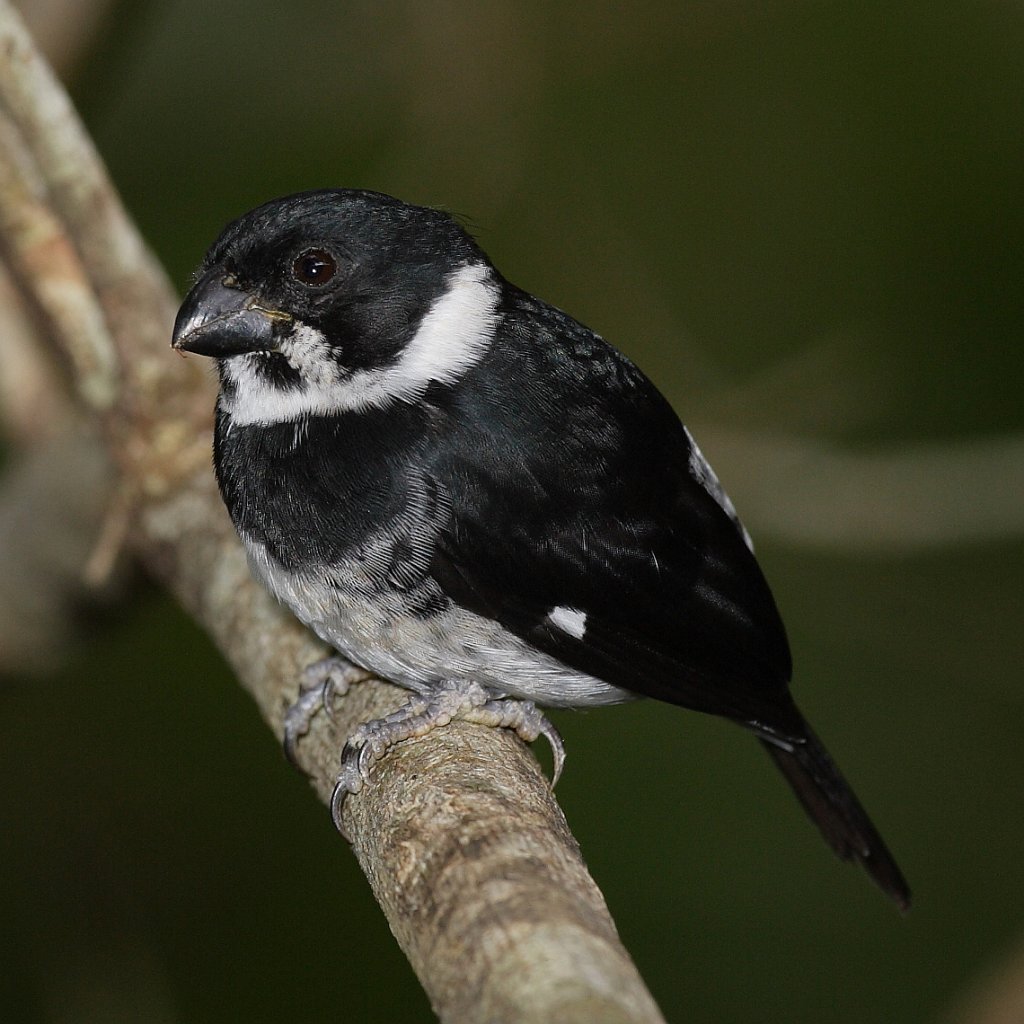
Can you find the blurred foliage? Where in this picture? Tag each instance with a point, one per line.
(722, 189)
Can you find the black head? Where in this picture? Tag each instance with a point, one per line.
(321, 287)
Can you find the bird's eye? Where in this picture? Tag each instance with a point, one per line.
(314, 267)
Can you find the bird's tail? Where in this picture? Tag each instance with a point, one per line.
(832, 806)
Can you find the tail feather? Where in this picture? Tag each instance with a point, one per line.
(833, 807)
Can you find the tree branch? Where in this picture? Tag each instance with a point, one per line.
(465, 848)
(995, 997)
(904, 498)
(58, 483)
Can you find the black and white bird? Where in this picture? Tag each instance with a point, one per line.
(466, 491)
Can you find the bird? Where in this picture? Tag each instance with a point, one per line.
(462, 489)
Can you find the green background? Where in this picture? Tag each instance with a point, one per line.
(818, 204)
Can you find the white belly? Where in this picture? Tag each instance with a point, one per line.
(376, 630)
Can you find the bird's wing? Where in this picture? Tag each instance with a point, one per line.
(609, 545)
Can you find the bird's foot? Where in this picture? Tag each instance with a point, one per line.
(425, 712)
(323, 682)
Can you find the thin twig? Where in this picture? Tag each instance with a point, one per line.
(50, 270)
(34, 403)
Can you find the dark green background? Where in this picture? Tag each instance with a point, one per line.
(721, 190)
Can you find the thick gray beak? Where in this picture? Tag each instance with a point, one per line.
(220, 320)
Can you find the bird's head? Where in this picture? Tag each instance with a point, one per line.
(338, 300)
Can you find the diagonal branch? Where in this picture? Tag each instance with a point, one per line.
(465, 848)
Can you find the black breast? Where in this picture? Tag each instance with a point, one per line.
(312, 490)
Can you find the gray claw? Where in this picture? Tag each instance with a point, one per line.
(554, 738)
(364, 762)
(322, 683)
(297, 720)
(350, 780)
(527, 721)
(424, 712)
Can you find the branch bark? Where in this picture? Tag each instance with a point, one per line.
(460, 837)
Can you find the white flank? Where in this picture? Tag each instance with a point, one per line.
(377, 629)
(569, 620)
(454, 335)
(702, 472)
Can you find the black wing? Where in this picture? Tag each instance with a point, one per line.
(584, 491)
(579, 492)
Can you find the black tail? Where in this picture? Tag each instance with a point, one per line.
(832, 806)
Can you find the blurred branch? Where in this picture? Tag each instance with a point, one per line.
(902, 499)
(51, 503)
(64, 29)
(465, 848)
(54, 494)
(996, 998)
(33, 402)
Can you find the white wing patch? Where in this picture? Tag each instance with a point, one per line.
(569, 620)
(453, 335)
(702, 472)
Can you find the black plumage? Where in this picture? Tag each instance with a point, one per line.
(549, 476)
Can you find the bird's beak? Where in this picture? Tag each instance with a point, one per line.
(219, 319)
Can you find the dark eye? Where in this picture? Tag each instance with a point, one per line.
(314, 267)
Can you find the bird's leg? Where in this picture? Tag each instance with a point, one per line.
(425, 712)
(322, 683)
